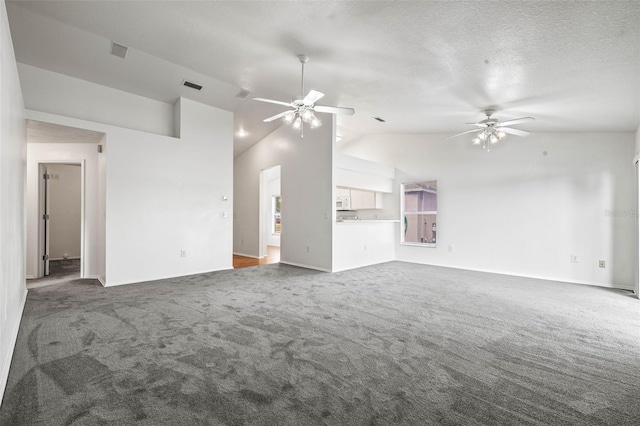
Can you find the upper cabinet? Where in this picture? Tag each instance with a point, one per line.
(361, 199)
(343, 192)
(363, 181)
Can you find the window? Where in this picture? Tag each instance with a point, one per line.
(419, 205)
(275, 209)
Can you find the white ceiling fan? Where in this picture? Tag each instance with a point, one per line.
(491, 130)
(303, 109)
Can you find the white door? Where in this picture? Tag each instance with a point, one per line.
(46, 218)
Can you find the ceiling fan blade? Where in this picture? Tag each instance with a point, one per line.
(477, 124)
(275, 117)
(334, 110)
(463, 133)
(514, 131)
(514, 121)
(312, 97)
(271, 101)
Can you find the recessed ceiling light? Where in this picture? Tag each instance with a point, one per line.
(338, 138)
(242, 133)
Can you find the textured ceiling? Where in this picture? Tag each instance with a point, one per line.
(423, 66)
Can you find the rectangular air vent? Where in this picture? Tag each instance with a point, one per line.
(379, 119)
(118, 50)
(243, 93)
(191, 85)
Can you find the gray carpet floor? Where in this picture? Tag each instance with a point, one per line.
(395, 343)
(60, 271)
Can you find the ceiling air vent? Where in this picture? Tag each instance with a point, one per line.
(191, 85)
(379, 119)
(118, 50)
(243, 93)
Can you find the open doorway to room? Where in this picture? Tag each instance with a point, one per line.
(65, 204)
(270, 223)
(60, 229)
(270, 217)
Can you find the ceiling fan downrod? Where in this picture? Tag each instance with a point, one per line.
(303, 60)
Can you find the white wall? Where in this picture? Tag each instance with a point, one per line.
(307, 190)
(164, 195)
(524, 207)
(354, 172)
(13, 137)
(64, 212)
(362, 243)
(60, 94)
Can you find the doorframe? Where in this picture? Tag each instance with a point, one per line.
(41, 205)
(263, 226)
(636, 164)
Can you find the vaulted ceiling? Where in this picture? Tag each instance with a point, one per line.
(423, 66)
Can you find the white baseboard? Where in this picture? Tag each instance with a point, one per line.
(225, 268)
(31, 277)
(11, 348)
(301, 265)
(535, 277)
(96, 277)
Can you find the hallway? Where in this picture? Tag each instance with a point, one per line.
(59, 271)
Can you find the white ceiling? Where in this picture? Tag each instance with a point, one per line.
(423, 66)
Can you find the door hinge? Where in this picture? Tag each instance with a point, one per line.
(45, 176)
(45, 216)
(45, 257)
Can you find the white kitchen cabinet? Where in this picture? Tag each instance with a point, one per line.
(363, 199)
(360, 199)
(379, 204)
(342, 191)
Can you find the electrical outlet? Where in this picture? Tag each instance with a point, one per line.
(601, 264)
(574, 258)
(308, 249)
(450, 249)
(183, 253)
(224, 215)
(365, 247)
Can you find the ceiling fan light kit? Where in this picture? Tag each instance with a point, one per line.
(492, 131)
(304, 109)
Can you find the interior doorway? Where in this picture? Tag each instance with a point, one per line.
(61, 224)
(271, 222)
